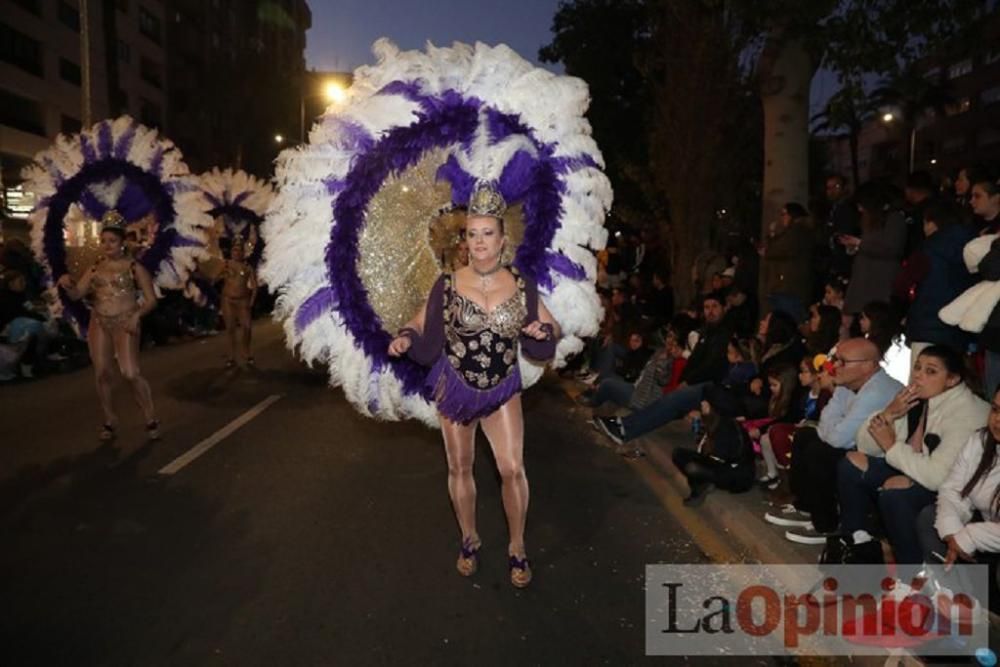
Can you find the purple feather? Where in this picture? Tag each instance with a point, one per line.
(124, 143)
(105, 141)
(564, 265)
(461, 181)
(316, 306)
(518, 176)
(455, 399)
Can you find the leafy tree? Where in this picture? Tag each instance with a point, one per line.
(844, 115)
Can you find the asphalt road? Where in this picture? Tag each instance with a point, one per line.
(309, 536)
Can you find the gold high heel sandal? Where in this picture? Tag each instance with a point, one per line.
(468, 557)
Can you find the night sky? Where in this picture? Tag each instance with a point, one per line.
(343, 30)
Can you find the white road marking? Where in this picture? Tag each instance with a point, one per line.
(211, 441)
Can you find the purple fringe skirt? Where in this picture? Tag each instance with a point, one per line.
(459, 402)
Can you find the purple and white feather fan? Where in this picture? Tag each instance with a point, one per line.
(359, 228)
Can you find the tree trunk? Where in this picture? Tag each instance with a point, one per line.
(785, 72)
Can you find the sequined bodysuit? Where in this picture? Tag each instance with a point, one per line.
(478, 369)
(114, 297)
(236, 285)
(482, 346)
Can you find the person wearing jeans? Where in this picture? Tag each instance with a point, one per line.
(906, 451)
(707, 364)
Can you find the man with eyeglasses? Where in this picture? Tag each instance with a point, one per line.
(862, 388)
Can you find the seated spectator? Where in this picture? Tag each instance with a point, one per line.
(933, 276)
(780, 344)
(725, 459)
(788, 262)
(741, 312)
(620, 319)
(985, 200)
(805, 404)
(662, 369)
(862, 388)
(964, 524)
(706, 364)
(905, 452)
(630, 364)
(658, 304)
(834, 291)
(823, 328)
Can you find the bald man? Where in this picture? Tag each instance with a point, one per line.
(862, 388)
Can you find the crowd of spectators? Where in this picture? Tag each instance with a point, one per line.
(864, 401)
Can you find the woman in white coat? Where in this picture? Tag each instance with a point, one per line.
(965, 522)
(905, 453)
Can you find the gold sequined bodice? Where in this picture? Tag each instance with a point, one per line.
(113, 292)
(482, 345)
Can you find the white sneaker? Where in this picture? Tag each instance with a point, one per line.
(789, 517)
(805, 535)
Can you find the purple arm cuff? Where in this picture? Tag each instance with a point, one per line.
(427, 347)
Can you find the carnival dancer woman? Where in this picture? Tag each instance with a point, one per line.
(113, 284)
(239, 291)
(470, 331)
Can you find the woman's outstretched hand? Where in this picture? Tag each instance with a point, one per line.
(399, 346)
(537, 330)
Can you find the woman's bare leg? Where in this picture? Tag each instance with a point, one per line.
(102, 355)
(244, 315)
(230, 315)
(505, 431)
(127, 349)
(460, 450)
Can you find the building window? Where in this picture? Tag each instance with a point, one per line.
(70, 72)
(149, 25)
(69, 16)
(33, 6)
(990, 95)
(959, 107)
(961, 68)
(933, 74)
(21, 113)
(150, 72)
(69, 125)
(124, 52)
(149, 113)
(19, 50)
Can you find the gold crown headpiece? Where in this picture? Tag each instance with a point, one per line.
(112, 220)
(486, 200)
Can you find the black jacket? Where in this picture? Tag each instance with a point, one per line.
(708, 362)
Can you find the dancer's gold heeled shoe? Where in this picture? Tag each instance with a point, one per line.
(520, 571)
(468, 557)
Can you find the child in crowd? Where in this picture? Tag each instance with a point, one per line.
(776, 445)
(823, 328)
(782, 408)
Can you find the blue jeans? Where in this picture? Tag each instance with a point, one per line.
(613, 389)
(665, 409)
(898, 508)
(992, 378)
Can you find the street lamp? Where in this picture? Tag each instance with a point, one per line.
(279, 139)
(889, 117)
(334, 92)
